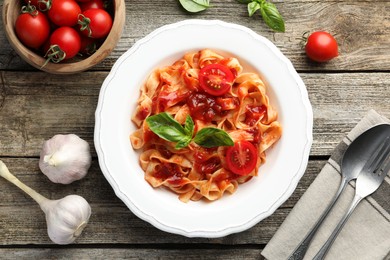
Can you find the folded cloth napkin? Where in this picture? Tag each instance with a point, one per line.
(366, 235)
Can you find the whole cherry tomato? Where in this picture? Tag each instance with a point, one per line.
(42, 5)
(65, 43)
(321, 46)
(92, 4)
(32, 27)
(95, 23)
(88, 45)
(64, 12)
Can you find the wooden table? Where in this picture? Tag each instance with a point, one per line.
(35, 105)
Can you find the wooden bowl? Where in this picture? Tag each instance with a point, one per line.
(11, 10)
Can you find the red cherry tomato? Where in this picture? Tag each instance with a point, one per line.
(88, 45)
(64, 12)
(321, 47)
(95, 23)
(241, 158)
(92, 4)
(216, 79)
(32, 28)
(42, 5)
(67, 40)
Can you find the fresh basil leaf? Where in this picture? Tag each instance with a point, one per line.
(253, 7)
(194, 6)
(166, 127)
(272, 17)
(244, 1)
(212, 137)
(183, 143)
(205, 3)
(189, 126)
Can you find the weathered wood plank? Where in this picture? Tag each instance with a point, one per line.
(117, 225)
(22, 222)
(36, 106)
(360, 27)
(27, 170)
(130, 253)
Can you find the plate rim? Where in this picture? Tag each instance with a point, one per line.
(262, 215)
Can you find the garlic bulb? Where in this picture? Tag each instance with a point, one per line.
(65, 158)
(65, 218)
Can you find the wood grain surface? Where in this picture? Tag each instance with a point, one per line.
(35, 105)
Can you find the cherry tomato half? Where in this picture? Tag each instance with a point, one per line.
(216, 79)
(241, 158)
(64, 12)
(95, 23)
(32, 28)
(321, 47)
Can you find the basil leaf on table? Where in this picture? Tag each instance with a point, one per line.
(272, 17)
(166, 127)
(253, 7)
(195, 6)
(269, 12)
(213, 137)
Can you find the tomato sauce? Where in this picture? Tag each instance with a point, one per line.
(205, 162)
(256, 135)
(168, 170)
(143, 113)
(205, 107)
(149, 136)
(167, 99)
(254, 113)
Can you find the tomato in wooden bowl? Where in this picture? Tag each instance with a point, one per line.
(38, 56)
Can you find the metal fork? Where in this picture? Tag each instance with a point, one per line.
(368, 181)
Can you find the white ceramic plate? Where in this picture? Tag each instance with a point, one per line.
(254, 200)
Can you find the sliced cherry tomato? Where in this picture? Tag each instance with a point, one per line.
(32, 27)
(216, 79)
(241, 158)
(65, 43)
(321, 47)
(95, 23)
(92, 4)
(64, 12)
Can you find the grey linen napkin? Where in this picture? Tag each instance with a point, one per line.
(366, 235)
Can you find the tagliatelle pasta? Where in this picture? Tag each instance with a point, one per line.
(243, 111)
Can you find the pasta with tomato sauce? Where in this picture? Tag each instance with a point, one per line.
(215, 92)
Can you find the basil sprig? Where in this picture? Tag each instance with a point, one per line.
(268, 11)
(213, 137)
(195, 6)
(166, 127)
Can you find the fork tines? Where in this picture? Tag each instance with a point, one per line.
(380, 161)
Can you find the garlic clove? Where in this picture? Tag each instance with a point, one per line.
(65, 158)
(66, 218)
